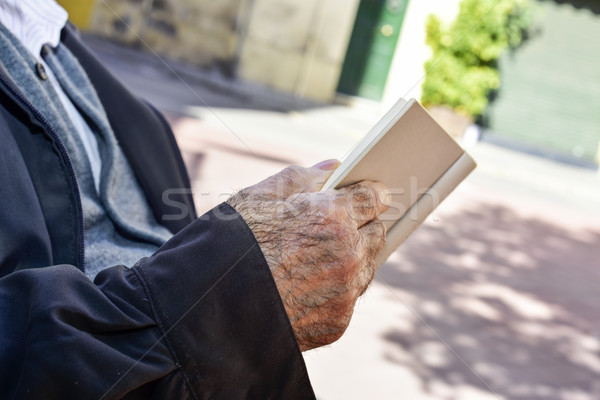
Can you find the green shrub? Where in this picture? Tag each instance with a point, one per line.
(463, 69)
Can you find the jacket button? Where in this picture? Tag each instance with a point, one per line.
(41, 71)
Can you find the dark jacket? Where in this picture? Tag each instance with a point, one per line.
(199, 319)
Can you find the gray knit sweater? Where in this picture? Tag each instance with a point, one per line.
(120, 227)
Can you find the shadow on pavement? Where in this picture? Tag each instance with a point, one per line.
(503, 303)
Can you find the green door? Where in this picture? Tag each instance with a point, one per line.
(371, 47)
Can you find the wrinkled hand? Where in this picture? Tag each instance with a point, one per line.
(320, 247)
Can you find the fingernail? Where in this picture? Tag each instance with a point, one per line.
(327, 165)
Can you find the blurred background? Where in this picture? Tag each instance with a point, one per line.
(496, 296)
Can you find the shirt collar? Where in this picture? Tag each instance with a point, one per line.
(34, 22)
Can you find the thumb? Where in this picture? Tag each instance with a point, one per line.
(320, 173)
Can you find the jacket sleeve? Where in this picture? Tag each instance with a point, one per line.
(199, 319)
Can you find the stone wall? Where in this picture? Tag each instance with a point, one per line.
(297, 46)
(290, 45)
(200, 32)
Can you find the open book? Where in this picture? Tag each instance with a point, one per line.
(411, 154)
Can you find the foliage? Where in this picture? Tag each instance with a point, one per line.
(463, 69)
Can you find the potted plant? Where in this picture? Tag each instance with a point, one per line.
(463, 69)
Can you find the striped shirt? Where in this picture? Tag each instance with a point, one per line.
(36, 23)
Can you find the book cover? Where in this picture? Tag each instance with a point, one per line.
(415, 158)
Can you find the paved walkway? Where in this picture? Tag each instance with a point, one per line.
(495, 297)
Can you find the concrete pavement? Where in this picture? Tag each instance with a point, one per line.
(495, 297)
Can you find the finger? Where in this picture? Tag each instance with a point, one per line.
(372, 240)
(294, 180)
(365, 201)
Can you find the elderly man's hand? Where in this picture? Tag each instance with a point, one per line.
(320, 246)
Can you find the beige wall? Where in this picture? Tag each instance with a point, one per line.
(290, 45)
(298, 46)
